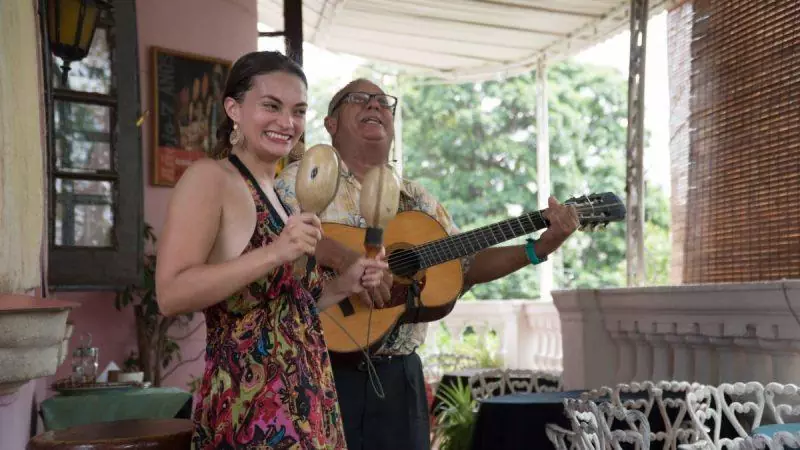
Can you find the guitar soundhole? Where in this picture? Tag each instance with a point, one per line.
(404, 263)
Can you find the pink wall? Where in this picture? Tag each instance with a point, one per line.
(219, 28)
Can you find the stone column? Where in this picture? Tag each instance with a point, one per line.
(21, 162)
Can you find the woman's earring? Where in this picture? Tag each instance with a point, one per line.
(236, 135)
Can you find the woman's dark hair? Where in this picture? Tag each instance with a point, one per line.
(240, 80)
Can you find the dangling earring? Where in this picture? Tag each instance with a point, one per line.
(236, 136)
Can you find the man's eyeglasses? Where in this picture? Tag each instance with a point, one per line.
(362, 98)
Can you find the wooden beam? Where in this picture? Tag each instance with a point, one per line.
(293, 29)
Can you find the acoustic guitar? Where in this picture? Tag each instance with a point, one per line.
(422, 254)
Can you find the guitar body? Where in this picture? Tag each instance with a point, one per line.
(350, 326)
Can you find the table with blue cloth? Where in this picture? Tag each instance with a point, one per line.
(64, 411)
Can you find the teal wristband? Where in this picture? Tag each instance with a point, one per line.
(530, 250)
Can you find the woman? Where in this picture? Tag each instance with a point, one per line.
(227, 249)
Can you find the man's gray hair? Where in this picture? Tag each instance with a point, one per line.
(344, 91)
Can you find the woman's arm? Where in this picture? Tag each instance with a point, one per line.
(185, 281)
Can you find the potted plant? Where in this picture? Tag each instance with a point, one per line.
(455, 417)
(156, 350)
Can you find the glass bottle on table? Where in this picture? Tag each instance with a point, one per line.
(85, 361)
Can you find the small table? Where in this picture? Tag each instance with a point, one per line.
(518, 421)
(166, 434)
(64, 411)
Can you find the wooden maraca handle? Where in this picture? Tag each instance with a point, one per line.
(316, 184)
(373, 241)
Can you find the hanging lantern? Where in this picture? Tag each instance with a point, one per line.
(71, 25)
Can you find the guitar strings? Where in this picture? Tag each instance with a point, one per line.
(428, 250)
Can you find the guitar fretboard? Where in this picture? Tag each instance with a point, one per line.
(454, 247)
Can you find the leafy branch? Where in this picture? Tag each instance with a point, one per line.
(156, 350)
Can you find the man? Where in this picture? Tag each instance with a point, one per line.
(360, 121)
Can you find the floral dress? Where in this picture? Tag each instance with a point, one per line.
(267, 382)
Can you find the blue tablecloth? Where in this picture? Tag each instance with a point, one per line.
(770, 430)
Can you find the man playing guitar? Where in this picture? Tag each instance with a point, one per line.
(360, 121)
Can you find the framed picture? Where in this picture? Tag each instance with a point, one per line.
(187, 109)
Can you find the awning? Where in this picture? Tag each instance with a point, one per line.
(457, 39)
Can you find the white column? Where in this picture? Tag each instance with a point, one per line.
(543, 170)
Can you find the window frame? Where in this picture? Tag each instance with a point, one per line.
(120, 264)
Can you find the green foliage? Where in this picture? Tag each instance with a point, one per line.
(485, 347)
(455, 418)
(156, 350)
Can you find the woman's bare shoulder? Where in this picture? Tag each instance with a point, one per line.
(208, 175)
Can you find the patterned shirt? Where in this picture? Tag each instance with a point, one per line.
(344, 209)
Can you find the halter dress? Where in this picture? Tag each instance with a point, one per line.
(267, 382)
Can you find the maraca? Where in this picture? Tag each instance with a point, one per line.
(380, 198)
(315, 186)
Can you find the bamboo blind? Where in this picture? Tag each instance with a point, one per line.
(741, 216)
(679, 40)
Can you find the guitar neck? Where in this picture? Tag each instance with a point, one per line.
(464, 244)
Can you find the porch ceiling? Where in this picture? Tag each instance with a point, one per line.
(457, 39)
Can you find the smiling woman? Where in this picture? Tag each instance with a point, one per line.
(227, 249)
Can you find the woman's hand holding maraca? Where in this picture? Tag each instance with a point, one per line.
(299, 237)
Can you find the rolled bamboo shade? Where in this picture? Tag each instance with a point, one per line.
(735, 140)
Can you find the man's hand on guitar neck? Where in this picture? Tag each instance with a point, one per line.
(563, 222)
(332, 254)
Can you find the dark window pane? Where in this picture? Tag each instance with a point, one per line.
(82, 136)
(91, 74)
(84, 213)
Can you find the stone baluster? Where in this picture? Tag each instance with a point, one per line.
(755, 359)
(644, 354)
(661, 368)
(540, 337)
(554, 355)
(786, 361)
(682, 359)
(705, 359)
(730, 360)
(626, 356)
(509, 339)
